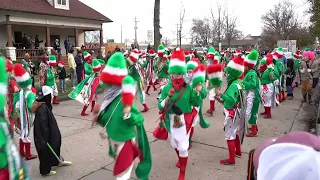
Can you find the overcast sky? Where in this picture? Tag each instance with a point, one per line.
(123, 12)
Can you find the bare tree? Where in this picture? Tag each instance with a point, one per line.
(230, 28)
(217, 24)
(166, 42)
(201, 32)
(92, 37)
(156, 24)
(282, 20)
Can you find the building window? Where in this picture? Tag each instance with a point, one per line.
(62, 2)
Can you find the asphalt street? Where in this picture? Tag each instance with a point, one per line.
(82, 144)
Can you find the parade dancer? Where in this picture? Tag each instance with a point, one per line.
(85, 91)
(123, 121)
(175, 104)
(251, 85)
(161, 69)
(267, 88)
(279, 69)
(150, 71)
(212, 58)
(47, 75)
(232, 101)
(12, 88)
(198, 76)
(87, 64)
(191, 65)
(22, 102)
(47, 136)
(135, 72)
(12, 166)
(297, 62)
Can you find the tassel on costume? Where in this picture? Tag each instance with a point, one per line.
(232, 153)
(203, 122)
(55, 100)
(83, 112)
(29, 156)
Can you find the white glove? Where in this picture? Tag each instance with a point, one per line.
(302, 71)
(309, 70)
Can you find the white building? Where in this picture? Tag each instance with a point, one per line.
(50, 20)
(150, 36)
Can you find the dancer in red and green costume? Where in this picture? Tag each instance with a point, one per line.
(251, 85)
(212, 58)
(133, 72)
(267, 87)
(85, 91)
(22, 103)
(150, 71)
(123, 121)
(297, 63)
(231, 100)
(12, 88)
(87, 64)
(199, 76)
(179, 119)
(279, 69)
(162, 74)
(50, 77)
(12, 166)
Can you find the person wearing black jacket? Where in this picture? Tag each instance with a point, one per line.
(47, 136)
(290, 73)
(62, 76)
(80, 66)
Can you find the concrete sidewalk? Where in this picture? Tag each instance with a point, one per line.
(82, 144)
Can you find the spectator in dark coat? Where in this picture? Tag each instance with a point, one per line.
(37, 42)
(79, 62)
(25, 41)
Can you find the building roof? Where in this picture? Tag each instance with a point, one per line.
(76, 9)
(241, 42)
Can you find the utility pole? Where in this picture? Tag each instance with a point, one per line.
(121, 33)
(135, 31)
(180, 22)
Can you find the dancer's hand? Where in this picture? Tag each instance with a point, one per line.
(198, 88)
(217, 90)
(126, 111)
(171, 92)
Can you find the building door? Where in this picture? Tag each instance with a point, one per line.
(17, 35)
(53, 39)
